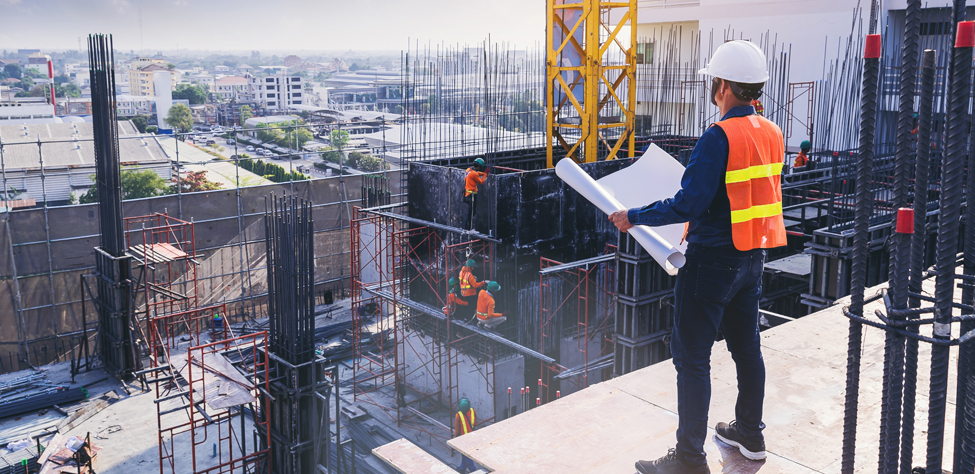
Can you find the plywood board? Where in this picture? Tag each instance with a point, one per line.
(408, 458)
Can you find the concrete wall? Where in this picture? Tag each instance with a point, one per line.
(42, 304)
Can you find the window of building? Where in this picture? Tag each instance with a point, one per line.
(270, 96)
(296, 87)
(296, 79)
(296, 102)
(272, 104)
(296, 94)
(270, 79)
(272, 88)
(644, 53)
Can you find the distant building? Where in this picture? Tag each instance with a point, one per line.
(4, 62)
(292, 61)
(27, 52)
(140, 75)
(230, 87)
(26, 110)
(275, 92)
(69, 163)
(127, 105)
(221, 69)
(243, 69)
(38, 62)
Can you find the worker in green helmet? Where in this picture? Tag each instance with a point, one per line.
(486, 317)
(469, 284)
(453, 298)
(464, 421)
(802, 159)
(476, 175)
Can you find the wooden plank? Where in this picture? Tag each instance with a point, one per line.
(217, 372)
(408, 458)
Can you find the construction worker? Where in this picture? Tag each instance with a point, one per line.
(732, 197)
(802, 159)
(486, 317)
(453, 298)
(476, 175)
(469, 284)
(464, 421)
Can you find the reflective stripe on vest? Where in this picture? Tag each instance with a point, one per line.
(465, 424)
(753, 181)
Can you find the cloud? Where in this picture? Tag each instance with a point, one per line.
(10, 2)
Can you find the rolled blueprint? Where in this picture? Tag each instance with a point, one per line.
(665, 254)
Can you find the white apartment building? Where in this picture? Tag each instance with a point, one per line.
(276, 92)
(231, 87)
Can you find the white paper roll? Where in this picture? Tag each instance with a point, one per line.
(665, 254)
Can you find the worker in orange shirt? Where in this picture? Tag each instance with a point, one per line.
(464, 421)
(476, 175)
(486, 317)
(469, 284)
(802, 159)
(453, 299)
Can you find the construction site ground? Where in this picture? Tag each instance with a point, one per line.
(608, 426)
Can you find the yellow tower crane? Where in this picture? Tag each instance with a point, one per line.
(591, 74)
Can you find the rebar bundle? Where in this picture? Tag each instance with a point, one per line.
(105, 128)
(118, 349)
(290, 278)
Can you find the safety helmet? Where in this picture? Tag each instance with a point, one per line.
(452, 282)
(805, 145)
(464, 404)
(479, 162)
(471, 263)
(738, 61)
(493, 286)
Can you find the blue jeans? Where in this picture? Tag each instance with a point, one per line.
(466, 463)
(719, 287)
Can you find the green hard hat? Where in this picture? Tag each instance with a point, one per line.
(493, 286)
(471, 263)
(805, 145)
(464, 404)
(452, 282)
(479, 162)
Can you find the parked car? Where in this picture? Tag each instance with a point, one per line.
(249, 148)
(211, 142)
(230, 141)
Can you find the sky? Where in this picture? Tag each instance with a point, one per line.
(269, 25)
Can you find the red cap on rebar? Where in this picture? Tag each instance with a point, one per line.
(905, 220)
(538, 401)
(509, 389)
(558, 393)
(871, 50)
(539, 382)
(522, 391)
(965, 34)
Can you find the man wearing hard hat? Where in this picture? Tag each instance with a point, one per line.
(731, 197)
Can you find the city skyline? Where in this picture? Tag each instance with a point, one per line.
(287, 25)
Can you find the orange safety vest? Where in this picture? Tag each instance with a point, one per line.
(466, 425)
(452, 301)
(801, 160)
(753, 180)
(468, 283)
(485, 306)
(473, 179)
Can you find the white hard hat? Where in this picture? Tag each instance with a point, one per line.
(738, 61)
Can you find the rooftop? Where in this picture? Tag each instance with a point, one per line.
(70, 145)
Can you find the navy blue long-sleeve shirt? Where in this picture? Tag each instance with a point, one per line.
(703, 199)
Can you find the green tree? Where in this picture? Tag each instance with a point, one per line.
(398, 110)
(339, 138)
(267, 134)
(195, 181)
(180, 118)
(13, 70)
(152, 129)
(370, 163)
(245, 113)
(40, 91)
(194, 94)
(68, 89)
(140, 123)
(135, 184)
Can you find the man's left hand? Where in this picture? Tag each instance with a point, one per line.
(620, 220)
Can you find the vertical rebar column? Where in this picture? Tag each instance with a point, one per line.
(890, 418)
(964, 449)
(952, 168)
(918, 244)
(861, 240)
